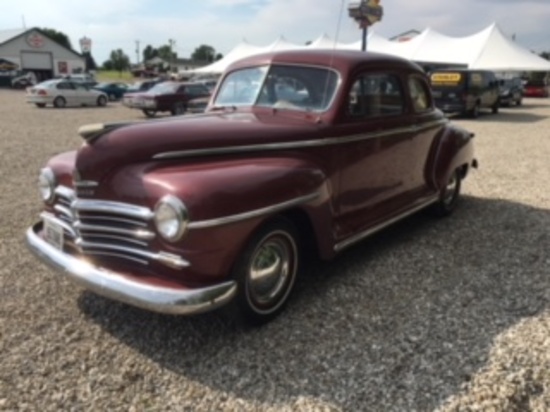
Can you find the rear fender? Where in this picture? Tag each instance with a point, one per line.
(452, 149)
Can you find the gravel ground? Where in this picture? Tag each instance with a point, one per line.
(446, 315)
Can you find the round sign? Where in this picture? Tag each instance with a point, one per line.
(35, 40)
(366, 12)
(85, 44)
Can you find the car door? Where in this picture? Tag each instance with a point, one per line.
(375, 162)
(67, 91)
(83, 95)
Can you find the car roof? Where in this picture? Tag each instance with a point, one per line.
(341, 60)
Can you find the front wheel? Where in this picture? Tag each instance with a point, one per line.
(149, 113)
(266, 271)
(495, 107)
(448, 195)
(112, 97)
(474, 113)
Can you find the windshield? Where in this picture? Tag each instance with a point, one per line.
(164, 88)
(278, 86)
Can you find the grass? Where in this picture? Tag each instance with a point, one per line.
(109, 76)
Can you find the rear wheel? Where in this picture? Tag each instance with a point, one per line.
(59, 102)
(519, 102)
(149, 113)
(178, 109)
(266, 271)
(495, 107)
(448, 195)
(101, 101)
(474, 113)
(41, 105)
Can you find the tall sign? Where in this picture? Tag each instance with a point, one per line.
(85, 45)
(366, 13)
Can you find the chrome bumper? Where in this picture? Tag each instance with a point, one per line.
(115, 286)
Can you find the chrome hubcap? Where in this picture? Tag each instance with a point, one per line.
(450, 190)
(272, 264)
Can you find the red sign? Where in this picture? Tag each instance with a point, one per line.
(35, 40)
(62, 67)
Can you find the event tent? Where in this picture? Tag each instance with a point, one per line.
(487, 49)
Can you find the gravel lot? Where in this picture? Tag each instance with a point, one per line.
(447, 315)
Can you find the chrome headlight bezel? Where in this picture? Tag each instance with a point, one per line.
(46, 184)
(171, 218)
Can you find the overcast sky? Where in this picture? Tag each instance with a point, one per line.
(113, 24)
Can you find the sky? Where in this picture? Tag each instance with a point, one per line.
(222, 24)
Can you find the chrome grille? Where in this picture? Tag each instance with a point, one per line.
(110, 229)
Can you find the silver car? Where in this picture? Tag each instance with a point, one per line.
(64, 92)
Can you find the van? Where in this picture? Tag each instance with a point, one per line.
(465, 91)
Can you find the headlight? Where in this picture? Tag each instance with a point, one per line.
(171, 218)
(46, 184)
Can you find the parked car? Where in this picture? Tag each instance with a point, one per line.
(62, 93)
(23, 81)
(165, 97)
(187, 214)
(114, 90)
(465, 91)
(198, 105)
(536, 88)
(511, 91)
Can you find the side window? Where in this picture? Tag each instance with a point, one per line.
(182, 89)
(420, 95)
(374, 95)
(65, 86)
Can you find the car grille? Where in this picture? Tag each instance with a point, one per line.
(110, 229)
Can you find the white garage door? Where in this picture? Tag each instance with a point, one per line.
(36, 60)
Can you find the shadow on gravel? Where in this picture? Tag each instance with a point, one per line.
(507, 115)
(401, 319)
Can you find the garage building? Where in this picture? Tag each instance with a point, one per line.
(31, 50)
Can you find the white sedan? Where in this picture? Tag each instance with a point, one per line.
(63, 92)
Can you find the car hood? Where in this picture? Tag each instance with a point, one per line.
(190, 137)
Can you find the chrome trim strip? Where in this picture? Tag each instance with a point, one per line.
(255, 213)
(65, 192)
(65, 211)
(116, 286)
(296, 145)
(104, 206)
(87, 218)
(119, 256)
(85, 184)
(117, 238)
(360, 236)
(168, 259)
(139, 233)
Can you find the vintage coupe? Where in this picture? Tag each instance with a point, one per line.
(297, 152)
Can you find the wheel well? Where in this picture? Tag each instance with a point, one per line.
(303, 224)
(463, 170)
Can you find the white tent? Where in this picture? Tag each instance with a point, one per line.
(487, 49)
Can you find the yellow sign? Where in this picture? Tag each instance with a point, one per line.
(449, 78)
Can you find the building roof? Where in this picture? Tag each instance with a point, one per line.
(9, 35)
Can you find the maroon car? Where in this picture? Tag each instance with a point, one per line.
(297, 151)
(165, 97)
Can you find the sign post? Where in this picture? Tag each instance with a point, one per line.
(366, 13)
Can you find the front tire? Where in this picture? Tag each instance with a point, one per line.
(149, 113)
(495, 107)
(266, 271)
(448, 195)
(112, 97)
(474, 113)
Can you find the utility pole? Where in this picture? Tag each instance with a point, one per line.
(172, 45)
(137, 52)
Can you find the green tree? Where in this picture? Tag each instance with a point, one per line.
(58, 37)
(219, 56)
(545, 55)
(119, 61)
(204, 53)
(149, 53)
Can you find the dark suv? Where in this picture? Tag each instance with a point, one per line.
(511, 91)
(465, 91)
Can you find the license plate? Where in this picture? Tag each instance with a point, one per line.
(53, 234)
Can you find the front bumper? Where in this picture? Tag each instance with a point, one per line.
(175, 301)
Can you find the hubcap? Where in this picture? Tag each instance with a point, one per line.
(271, 266)
(450, 190)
